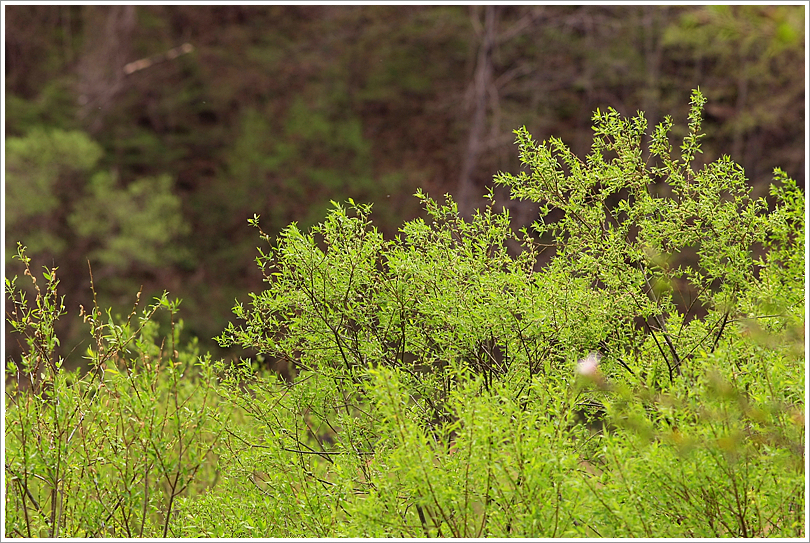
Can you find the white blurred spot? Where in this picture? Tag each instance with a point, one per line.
(589, 365)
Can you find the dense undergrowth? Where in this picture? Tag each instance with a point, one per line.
(648, 382)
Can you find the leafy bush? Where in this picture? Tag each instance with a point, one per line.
(103, 453)
(440, 384)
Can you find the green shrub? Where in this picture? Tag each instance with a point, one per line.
(102, 453)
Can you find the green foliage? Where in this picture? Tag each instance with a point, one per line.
(134, 224)
(441, 292)
(52, 108)
(623, 221)
(105, 453)
(36, 165)
(756, 42)
(332, 139)
(53, 179)
(783, 270)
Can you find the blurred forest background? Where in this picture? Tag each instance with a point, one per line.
(127, 147)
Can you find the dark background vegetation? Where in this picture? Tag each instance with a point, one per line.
(152, 171)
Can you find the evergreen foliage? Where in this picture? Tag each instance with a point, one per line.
(54, 181)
